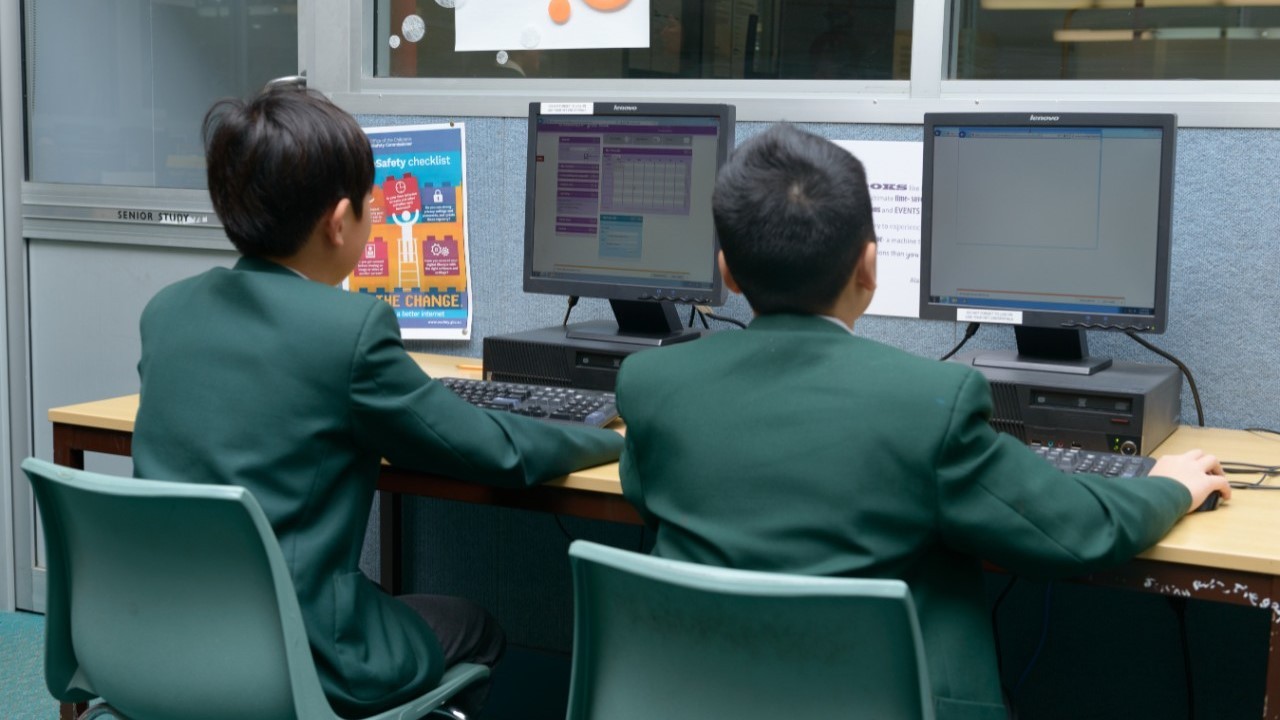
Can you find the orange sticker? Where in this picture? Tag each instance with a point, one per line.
(606, 5)
(559, 11)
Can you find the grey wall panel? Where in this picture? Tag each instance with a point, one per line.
(85, 301)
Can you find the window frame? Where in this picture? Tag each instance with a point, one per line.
(1198, 103)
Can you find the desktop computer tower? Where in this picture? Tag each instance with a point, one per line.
(1127, 408)
(551, 356)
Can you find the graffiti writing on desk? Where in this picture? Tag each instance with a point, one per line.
(1211, 585)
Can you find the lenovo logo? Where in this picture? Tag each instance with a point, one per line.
(1044, 118)
(625, 108)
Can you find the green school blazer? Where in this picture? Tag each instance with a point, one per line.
(257, 377)
(794, 446)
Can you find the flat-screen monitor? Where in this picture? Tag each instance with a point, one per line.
(1054, 223)
(618, 206)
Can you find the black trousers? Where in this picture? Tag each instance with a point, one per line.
(467, 633)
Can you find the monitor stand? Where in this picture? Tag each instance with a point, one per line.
(639, 322)
(1059, 350)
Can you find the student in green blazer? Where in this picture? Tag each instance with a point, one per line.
(796, 446)
(265, 375)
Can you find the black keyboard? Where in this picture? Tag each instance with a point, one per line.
(1075, 460)
(554, 404)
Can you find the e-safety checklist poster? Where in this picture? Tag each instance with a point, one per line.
(417, 257)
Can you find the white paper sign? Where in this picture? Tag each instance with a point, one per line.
(893, 176)
(524, 25)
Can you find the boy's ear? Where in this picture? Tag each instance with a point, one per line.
(334, 221)
(865, 272)
(729, 282)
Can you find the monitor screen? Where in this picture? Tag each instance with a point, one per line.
(618, 202)
(1054, 221)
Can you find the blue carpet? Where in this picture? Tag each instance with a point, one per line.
(22, 692)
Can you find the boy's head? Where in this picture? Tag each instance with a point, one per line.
(278, 163)
(793, 215)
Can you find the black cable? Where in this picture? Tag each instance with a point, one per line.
(1191, 382)
(573, 300)
(995, 626)
(969, 332)
(712, 316)
(1232, 467)
(1235, 466)
(563, 529)
(1044, 637)
(1262, 431)
(1179, 605)
(695, 311)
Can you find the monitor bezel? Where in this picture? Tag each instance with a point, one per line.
(649, 291)
(1165, 122)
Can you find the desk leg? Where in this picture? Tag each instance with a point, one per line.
(63, 452)
(389, 513)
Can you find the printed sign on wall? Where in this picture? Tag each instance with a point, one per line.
(894, 178)
(417, 257)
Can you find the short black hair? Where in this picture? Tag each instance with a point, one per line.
(793, 215)
(279, 162)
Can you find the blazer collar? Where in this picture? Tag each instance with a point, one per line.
(786, 322)
(253, 264)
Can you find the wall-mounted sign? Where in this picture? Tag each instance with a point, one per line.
(148, 216)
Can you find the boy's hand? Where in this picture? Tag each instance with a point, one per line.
(1198, 472)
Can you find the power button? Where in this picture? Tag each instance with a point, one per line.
(1128, 447)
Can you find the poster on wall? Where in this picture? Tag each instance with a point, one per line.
(417, 258)
(894, 178)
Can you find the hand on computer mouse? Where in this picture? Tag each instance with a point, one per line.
(1200, 473)
(1210, 503)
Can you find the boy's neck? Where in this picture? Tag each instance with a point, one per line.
(315, 260)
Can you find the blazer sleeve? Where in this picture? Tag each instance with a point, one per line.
(416, 422)
(1001, 502)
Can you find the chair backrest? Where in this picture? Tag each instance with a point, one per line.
(657, 638)
(169, 600)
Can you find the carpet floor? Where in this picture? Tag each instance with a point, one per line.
(22, 692)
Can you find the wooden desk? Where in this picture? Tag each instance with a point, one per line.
(1231, 555)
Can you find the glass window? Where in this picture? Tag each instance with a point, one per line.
(116, 90)
(1116, 40)
(706, 39)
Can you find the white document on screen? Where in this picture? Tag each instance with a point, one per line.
(513, 25)
(894, 178)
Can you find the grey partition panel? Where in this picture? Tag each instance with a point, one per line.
(84, 300)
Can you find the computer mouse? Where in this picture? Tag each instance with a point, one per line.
(1211, 502)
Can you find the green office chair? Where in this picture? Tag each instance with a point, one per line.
(657, 638)
(172, 600)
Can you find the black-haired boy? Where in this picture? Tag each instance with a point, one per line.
(796, 446)
(265, 375)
